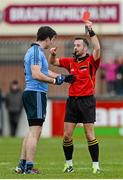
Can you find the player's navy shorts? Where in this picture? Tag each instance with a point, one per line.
(35, 106)
(81, 109)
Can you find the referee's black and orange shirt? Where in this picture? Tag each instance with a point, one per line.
(85, 71)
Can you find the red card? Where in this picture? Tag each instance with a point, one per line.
(86, 16)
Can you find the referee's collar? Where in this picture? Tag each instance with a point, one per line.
(80, 59)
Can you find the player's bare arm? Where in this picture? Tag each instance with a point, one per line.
(53, 74)
(52, 78)
(37, 74)
(94, 41)
(52, 57)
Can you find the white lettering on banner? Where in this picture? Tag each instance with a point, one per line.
(111, 117)
(103, 13)
(64, 13)
(116, 116)
(101, 117)
(94, 13)
(107, 13)
(33, 14)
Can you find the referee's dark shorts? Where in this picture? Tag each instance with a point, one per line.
(35, 106)
(80, 109)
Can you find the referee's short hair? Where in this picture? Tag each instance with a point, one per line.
(44, 32)
(84, 40)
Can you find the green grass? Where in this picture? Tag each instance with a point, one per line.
(50, 159)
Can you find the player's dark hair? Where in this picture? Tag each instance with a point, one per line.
(84, 40)
(44, 32)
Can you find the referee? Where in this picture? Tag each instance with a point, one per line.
(81, 103)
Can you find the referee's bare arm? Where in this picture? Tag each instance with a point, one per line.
(52, 57)
(94, 41)
(96, 47)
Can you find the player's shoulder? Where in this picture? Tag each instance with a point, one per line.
(30, 50)
(34, 49)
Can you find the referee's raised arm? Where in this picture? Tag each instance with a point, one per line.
(94, 41)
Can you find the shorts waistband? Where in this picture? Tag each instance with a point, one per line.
(80, 97)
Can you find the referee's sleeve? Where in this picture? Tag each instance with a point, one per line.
(64, 62)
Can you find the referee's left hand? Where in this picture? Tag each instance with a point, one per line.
(69, 78)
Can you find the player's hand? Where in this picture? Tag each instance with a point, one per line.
(59, 80)
(53, 51)
(69, 78)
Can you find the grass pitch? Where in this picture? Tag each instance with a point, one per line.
(50, 159)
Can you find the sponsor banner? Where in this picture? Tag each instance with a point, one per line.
(108, 114)
(61, 13)
(58, 111)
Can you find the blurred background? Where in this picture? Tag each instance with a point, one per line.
(19, 22)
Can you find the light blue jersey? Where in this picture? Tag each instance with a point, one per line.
(35, 56)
